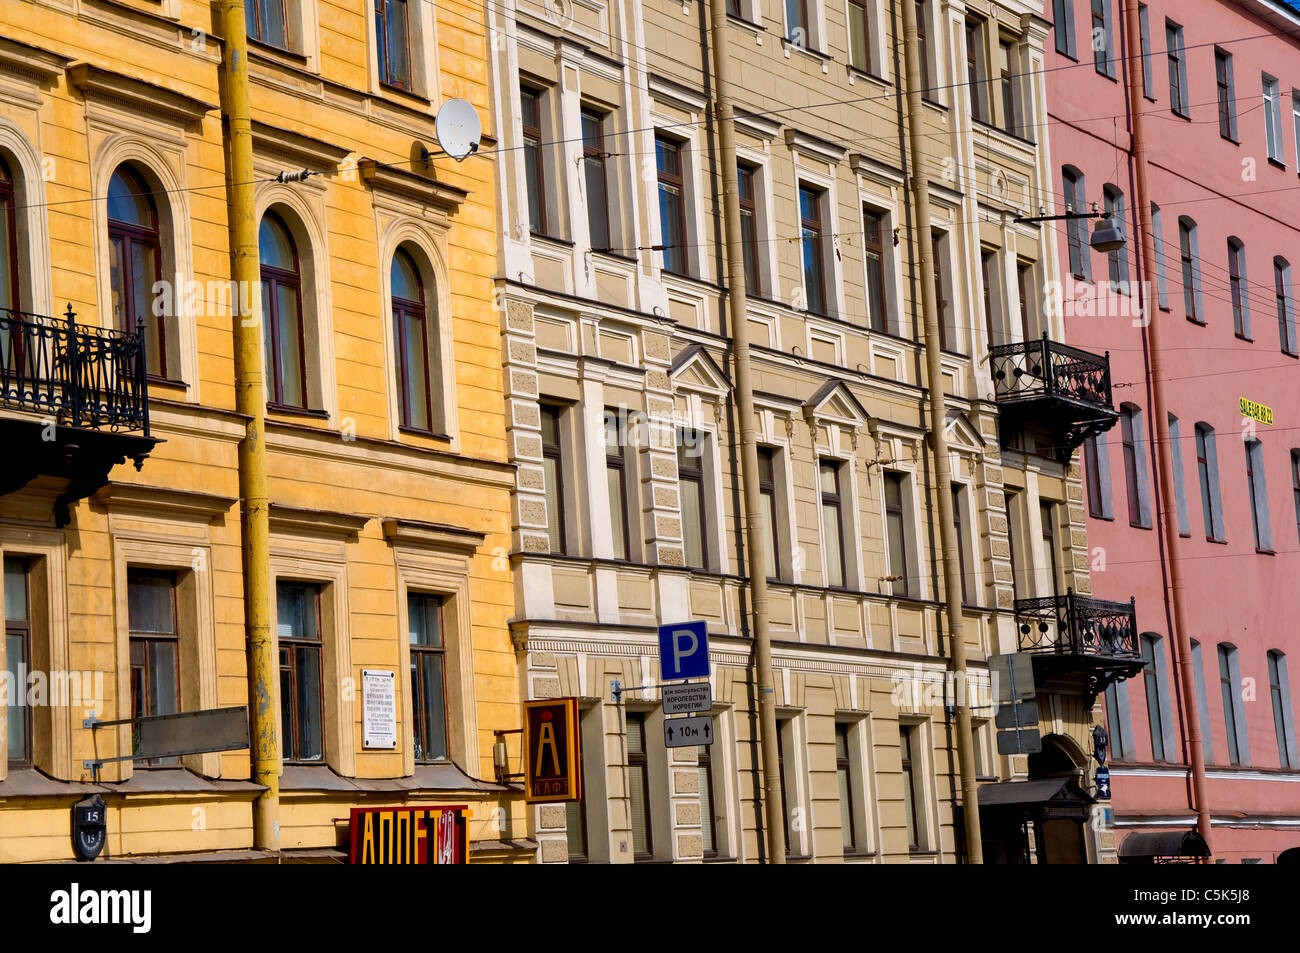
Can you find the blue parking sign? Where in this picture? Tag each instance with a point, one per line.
(684, 650)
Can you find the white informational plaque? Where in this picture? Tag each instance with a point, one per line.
(379, 711)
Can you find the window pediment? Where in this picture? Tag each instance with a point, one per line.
(411, 186)
(95, 82)
(296, 150)
(695, 370)
(833, 402)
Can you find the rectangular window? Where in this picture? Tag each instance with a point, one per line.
(813, 240)
(767, 490)
(1227, 101)
(1047, 520)
(1237, 288)
(832, 523)
(530, 103)
(923, 48)
(672, 203)
(797, 23)
(690, 481)
(155, 649)
(1273, 118)
(1028, 300)
(595, 178)
(963, 557)
(1063, 15)
(1010, 83)
(1228, 693)
(1295, 120)
(1144, 38)
(989, 274)
(1117, 261)
(1202, 703)
(1177, 69)
(911, 790)
(428, 676)
(1096, 475)
(575, 829)
(265, 22)
(785, 738)
(1283, 725)
(1191, 278)
(1014, 534)
(947, 335)
(1257, 489)
(1134, 465)
(301, 706)
(1162, 282)
(1076, 229)
(616, 484)
(708, 808)
(749, 228)
(638, 781)
(1180, 492)
(860, 47)
(1154, 680)
(1207, 469)
(896, 531)
(553, 472)
(392, 33)
(1295, 486)
(976, 75)
(18, 658)
(1103, 45)
(1117, 720)
(844, 775)
(1285, 306)
(873, 230)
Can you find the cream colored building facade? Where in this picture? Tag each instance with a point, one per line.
(379, 500)
(620, 420)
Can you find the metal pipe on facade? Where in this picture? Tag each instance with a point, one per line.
(1154, 358)
(744, 391)
(250, 401)
(923, 238)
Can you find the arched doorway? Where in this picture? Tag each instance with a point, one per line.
(1042, 819)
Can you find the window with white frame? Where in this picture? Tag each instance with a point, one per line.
(1076, 229)
(1234, 717)
(977, 67)
(863, 31)
(1180, 491)
(875, 249)
(1177, 56)
(1286, 333)
(1279, 690)
(1207, 468)
(912, 757)
(1063, 25)
(1117, 260)
(897, 531)
(1144, 39)
(1162, 280)
(1202, 702)
(1237, 287)
(692, 497)
(770, 491)
(836, 527)
(1119, 721)
(790, 769)
(1273, 118)
(815, 228)
(1257, 491)
(853, 777)
(1190, 254)
(967, 569)
(1227, 98)
(1156, 683)
(1134, 440)
(1103, 39)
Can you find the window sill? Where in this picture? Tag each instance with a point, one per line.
(1215, 539)
(1180, 115)
(1099, 516)
(718, 859)
(1286, 353)
(1241, 337)
(555, 239)
(277, 52)
(1139, 525)
(1235, 141)
(1277, 163)
(868, 75)
(417, 100)
(1197, 321)
(746, 24)
(429, 434)
(1104, 75)
(856, 854)
(1003, 132)
(1264, 552)
(818, 55)
(285, 410)
(617, 256)
(155, 381)
(919, 852)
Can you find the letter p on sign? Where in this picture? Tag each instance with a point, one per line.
(684, 650)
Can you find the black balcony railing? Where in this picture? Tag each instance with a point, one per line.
(1078, 625)
(83, 377)
(1026, 370)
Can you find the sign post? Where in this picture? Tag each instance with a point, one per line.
(1013, 674)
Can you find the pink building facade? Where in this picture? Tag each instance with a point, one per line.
(1220, 101)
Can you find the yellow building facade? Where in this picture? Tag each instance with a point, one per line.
(386, 442)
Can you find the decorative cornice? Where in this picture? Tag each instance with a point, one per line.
(874, 169)
(813, 146)
(432, 535)
(305, 522)
(411, 186)
(31, 61)
(761, 127)
(945, 195)
(145, 98)
(158, 500)
(299, 151)
(675, 94)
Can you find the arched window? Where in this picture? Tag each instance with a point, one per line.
(1116, 261)
(1076, 229)
(135, 263)
(1285, 305)
(411, 343)
(9, 297)
(1189, 253)
(282, 330)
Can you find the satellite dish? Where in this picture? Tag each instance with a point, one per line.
(458, 128)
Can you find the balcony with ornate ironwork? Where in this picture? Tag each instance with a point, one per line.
(73, 403)
(1079, 643)
(1060, 388)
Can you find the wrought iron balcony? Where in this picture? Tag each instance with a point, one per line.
(1062, 388)
(1078, 642)
(73, 402)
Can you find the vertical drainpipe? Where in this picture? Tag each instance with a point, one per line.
(250, 401)
(1154, 359)
(922, 237)
(774, 838)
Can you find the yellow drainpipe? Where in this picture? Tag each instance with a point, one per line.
(250, 401)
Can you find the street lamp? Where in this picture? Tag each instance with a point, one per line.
(1106, 236)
